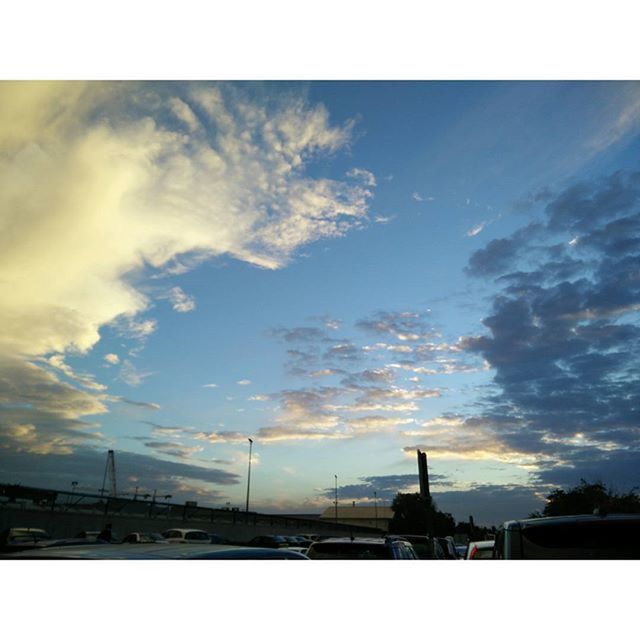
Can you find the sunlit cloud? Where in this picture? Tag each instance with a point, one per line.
(100, 182)
(180, 301)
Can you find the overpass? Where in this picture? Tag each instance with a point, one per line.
(65, 513)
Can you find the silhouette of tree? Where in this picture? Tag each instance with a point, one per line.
(587, 497)
(415, 515)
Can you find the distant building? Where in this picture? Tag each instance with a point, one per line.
(375, 517)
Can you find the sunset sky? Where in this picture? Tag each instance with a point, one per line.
(341, 271)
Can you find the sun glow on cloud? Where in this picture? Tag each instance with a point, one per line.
(99, 181)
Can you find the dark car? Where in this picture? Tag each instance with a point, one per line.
(270, 542)
(362, 549)
(585, 537)
(448, 548)
(426, 548)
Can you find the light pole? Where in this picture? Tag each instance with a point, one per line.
(375, 502)
(336, 497)
(249, 474)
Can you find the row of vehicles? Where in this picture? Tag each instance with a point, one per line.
(564, 537)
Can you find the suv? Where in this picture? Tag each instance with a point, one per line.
(610, 537)
(362, 549)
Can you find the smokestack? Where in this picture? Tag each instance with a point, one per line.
(423, 474)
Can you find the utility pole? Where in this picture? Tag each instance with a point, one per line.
(336, 498)
(375, 501)
(249, 475)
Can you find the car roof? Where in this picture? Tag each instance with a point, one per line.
(353, 541)
(158, 552)
(482, 544)
(187, 530)
(559, 520)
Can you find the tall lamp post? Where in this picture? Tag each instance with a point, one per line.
(375, 502)
(336, 498)
(249, 474)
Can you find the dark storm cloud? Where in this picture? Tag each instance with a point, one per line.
(501, 253)
(585, 206)
(86, 466)
(491, 505)
(564, 338)
(619, 469)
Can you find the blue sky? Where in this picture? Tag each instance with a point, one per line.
(342, 271)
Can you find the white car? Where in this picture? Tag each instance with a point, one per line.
(480, 550)
(186, 536)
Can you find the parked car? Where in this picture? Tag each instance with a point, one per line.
(21, 538)
(391, 548)
(448, 548)
(426, 547)
(462, 550)
(186, 536)
(480, 550)
(88, 535)
(216, 539)
(269, 542)
(143, 537)
(610, 537)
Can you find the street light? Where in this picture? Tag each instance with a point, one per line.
(336, 497)
(375, 501)
(249, 474)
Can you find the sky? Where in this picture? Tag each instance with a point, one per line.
(343, 272)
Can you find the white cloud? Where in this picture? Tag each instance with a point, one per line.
(365, 176)
(419, 198)
(130, 374)
(96, 183)
(475, 230)
(180, 301)
(85, 379)
(112, 358)
(244, 383)
(211, 385)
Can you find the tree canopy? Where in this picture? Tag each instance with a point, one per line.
(587, 497)
(418, 516)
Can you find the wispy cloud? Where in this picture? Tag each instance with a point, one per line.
(477, 229)
(363, 175)
(180, 301)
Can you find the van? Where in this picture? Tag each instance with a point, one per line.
(584, 537)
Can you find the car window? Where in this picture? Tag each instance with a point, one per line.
(196, 535)
(583, 540)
